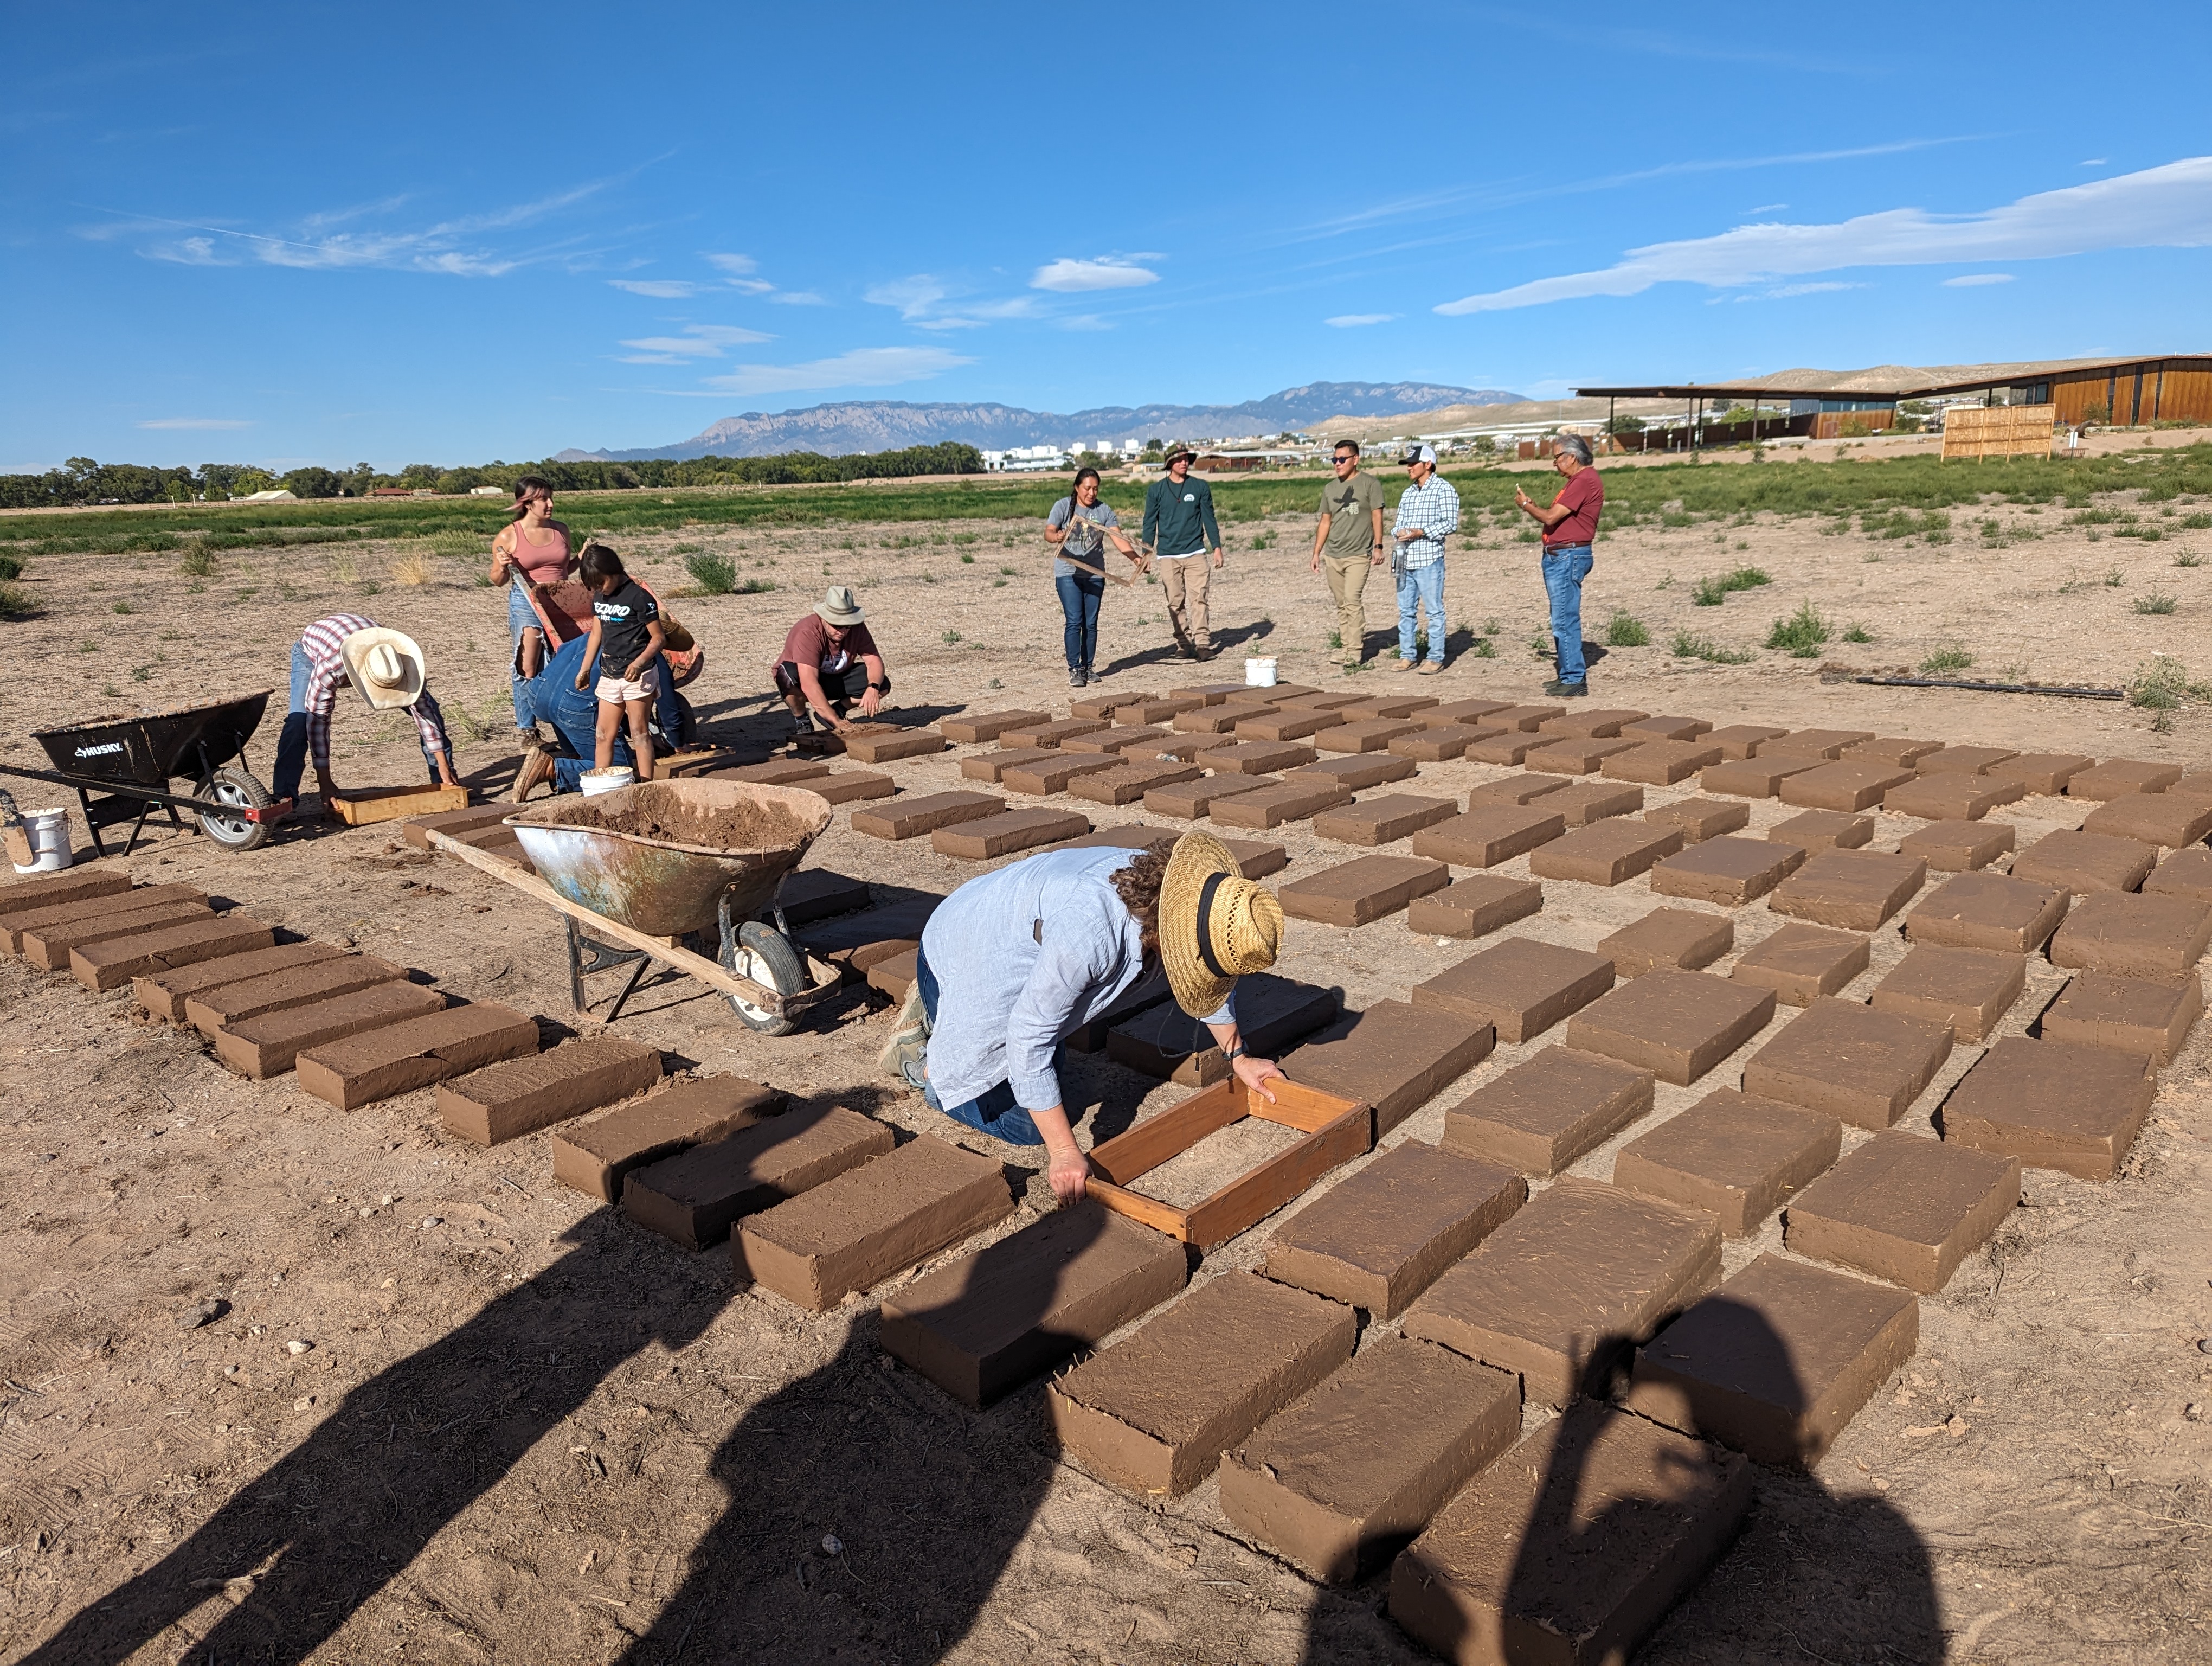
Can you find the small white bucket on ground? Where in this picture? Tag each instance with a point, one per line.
(49, 833)
(1260, 673)
(610, 780)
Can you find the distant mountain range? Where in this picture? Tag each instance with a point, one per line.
(869, 425)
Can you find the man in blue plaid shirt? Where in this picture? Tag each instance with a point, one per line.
(1427, 514)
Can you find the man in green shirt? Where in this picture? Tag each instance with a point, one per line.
(1180, 527)
(1349, 538)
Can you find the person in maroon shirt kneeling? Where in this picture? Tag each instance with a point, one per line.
(1570, 524)
(829, 663)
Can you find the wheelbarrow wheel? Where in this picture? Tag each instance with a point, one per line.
(766, 956)
(235, 832)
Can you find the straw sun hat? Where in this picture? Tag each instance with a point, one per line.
(386, 666)
(1215, 924)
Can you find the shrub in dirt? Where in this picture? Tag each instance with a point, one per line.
(1943, 660)
(715, 575)
(15, 603)
(1859, 633)
(11, 567)
(199, 562)
(1624, 630)
(412, 568)
(1802, 634)
(1713, 590)
(2162, 683)
(2156, 601)
(1692, 647)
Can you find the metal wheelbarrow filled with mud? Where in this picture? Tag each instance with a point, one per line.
(636, 872)
(120, 768)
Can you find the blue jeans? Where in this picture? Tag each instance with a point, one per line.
(993, 1112)
(1425, 585)
(292, 743)
(1079, 596)
(1564, 569)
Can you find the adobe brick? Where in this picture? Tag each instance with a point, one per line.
(1819, 744)
(1131, 835)
(1699, 819)
(1002, 834)
(1662, 763)
(1474, 907)
(1382, 820)
(2044, 773)
(1053, 776)
(1146, 711)
(1665, 728)
(1440, 741)
(1968, 990)
(593, 1153)
(1379, 1239)
(1133, 742)
(894, 975)
(1860, 1063)
(2150, 1016)
(695, 1197)
(1321, 700)
(115, 961)
(49, 946)
(1272, 1014)
(267, 1045)
(2085, 863)
(1526, 719)
(1394, 1056)
(1606, 853)
(1548, 1111)
(1561, 1291)
(1776, 1362)
(232, 1003)
(1270, 806)
(1964, 760)
(1391, 705)
(1217, 719)
(992, 766)
(1050, 734)
(1888, 749)
(984, 1324)
(1989, 911)
(1842, 785)
(1855, 889)
(2182, 873)
(1904, 1209)
(1574, 756)
(1800, 963)
(417, 830)
(1130, 781)
(1958, 847)
(1456, 712)
(1684, 940)
(505, 1101)
(1522, 789)
(1259, 758)
(1582, 802)
(70, 885)
(882, 743)
(2112, 931)
(971, 727)
(776, 772)
(1738, 741)
(1356, 771)
(379, 1064)
(1737, 1157)
(2053, 1104)
(1522, 987)
(909, 818)
(1725, 870)
(1676, 1024)
(1372, 734)
(1365, 888)
(1285, 723)
(1341, 1482)
(37, 912)
(1957, 796)
(1488, 835)
(870, 1222)
(2172, 819)
(1753, 777)
(1154, 1413)
(2116, 777)
(1190, 799)
(163, 994)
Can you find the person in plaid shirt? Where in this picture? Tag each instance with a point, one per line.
(386, 666)
(1427, 514)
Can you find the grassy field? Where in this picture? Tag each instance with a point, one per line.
(1894, 497)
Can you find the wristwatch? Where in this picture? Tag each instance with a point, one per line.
(881, 688)
(1233, 1054)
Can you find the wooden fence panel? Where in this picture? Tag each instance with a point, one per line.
(1998, 430)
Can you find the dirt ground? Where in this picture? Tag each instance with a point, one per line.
(522, 1430)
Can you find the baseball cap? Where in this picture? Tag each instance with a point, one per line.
(1419, 454)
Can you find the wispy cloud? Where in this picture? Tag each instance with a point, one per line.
(1357, 320)
(798, 298)
(2168, 207)
(1976, 279)
(930, 303)
(860, 367)
(658, 289)
(193, 423)
(698, 341)
(1086, 321)
(737, 272)
(1109, 272)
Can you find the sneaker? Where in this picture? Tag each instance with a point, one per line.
(1430, 667)
(1092, 674)
(1565, 691)
(1077, 677)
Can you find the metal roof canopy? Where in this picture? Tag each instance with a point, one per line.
(1887, 381)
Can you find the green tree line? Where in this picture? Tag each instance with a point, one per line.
(82, 481)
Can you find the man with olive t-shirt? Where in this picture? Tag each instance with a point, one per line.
(1349, 538)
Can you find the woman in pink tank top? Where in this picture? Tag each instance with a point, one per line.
(528, 556)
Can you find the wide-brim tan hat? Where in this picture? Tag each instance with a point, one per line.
(386, 666)
(1215, 924)
(840, 607)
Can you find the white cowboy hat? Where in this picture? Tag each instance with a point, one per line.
(386, 666)
(840, 607)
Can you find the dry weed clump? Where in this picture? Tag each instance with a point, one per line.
(414, 566)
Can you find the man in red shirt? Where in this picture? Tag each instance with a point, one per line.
(829, 662)
(1570, 524)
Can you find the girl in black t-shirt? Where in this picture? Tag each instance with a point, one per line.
(626, 641)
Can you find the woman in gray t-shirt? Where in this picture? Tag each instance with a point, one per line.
(1078, 528)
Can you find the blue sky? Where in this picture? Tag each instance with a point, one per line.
(446, 235)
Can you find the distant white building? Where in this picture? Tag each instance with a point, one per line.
(1026, 459)
(487, 491)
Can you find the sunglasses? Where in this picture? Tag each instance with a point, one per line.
(1344, 459)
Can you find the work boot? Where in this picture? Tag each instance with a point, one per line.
(910, 1039)
(536, 767)
(1565, 691)
(1405, 664)
(1205, 646)
(1430, 667)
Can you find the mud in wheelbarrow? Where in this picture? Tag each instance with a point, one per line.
(673, 857)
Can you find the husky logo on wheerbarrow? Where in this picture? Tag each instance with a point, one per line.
(100, 750)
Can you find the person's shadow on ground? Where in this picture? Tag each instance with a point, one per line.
(926, 1501)
(1812, 1575)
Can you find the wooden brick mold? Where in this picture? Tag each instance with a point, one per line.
(1739, 1157)
(1155, 1412)
(1522, 1566)
(504, 1102)
(1378, 1239)
(2053, 1105)
(1778, 1360)
(1336, 1130)
(1904, 1209)
(1341, 1481)
(1560, 1292)
(870, 1222)
(983, 1325)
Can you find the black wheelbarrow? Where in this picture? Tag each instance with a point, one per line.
(121, 768)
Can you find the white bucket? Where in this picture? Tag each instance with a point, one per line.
(1259, 673)
(49, 833)
(610, 780)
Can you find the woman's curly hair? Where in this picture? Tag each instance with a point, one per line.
(1137, 885)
